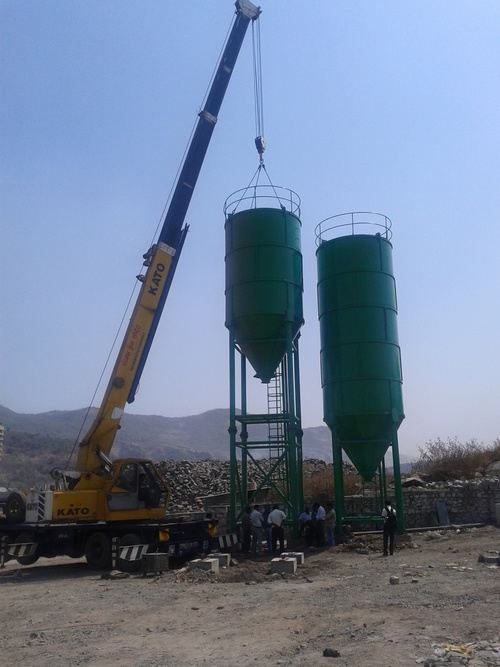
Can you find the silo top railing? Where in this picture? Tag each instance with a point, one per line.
(357, 222)
(263, 196)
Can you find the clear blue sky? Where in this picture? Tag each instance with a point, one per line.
(382, 106)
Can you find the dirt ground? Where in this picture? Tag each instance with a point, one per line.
(444, 610)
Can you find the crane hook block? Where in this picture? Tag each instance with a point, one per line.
(260, 144)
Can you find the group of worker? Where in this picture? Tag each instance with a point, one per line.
(267, 527)
(316, 525)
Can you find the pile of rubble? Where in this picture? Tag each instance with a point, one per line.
(474, 654)
(190, 481)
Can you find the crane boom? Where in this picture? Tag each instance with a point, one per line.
(161, 261)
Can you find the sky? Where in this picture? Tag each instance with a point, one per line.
(391, 107)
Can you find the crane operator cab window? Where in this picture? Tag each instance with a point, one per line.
(150, 489)
(135, 487)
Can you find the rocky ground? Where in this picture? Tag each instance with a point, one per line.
(190, 481)
(340, 608)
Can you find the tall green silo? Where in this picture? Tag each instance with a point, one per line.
(264, 314)
(263, 283)
(360, 356)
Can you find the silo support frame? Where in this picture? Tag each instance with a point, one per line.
(289, 449)
(233, 464)
(338, 480)
(398, 492)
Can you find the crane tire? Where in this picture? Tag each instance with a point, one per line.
(129, 540)
(98, 551)
(24, 538)
(15, 508)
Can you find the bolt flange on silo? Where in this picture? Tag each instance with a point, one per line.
(360, 357)
(264, 314)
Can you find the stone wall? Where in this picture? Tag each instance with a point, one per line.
(201, 486)
(472, 501)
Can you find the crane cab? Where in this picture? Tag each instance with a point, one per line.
(130, 490)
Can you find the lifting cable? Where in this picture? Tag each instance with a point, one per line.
(113, 347)
(258, 95)
(160, 221)
(259, 125)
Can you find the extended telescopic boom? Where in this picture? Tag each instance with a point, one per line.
(161, 261)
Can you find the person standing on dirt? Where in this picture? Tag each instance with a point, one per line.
(318, 521)
(390, 523)
(306, 527)
(211, 525)
(330, 521)
(246, 530)
(267, 528)
(276, 519)
(256, 522)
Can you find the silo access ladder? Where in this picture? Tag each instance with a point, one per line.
(276, 428)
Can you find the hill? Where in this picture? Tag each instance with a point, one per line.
(39, 442)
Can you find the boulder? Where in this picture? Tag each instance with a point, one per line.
(493, 469)
(412, 481)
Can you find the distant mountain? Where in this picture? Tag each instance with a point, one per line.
(47, 439)
(43, 441)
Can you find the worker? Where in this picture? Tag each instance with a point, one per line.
(246, 530)
(212, 524)
(330, 521)
(305, 526)
(276, 519)
(318, 521)
(304, 519)
(268, 529)
(256, 523)
(390, 523)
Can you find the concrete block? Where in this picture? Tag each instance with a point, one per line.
(298, 555)
(489, 557)
(210, 564)
(394, 580)
(224, 559)
(154, 563)
(284, 565)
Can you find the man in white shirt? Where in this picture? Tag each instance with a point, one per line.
(330, 521)
(318, 518)
(390, 524)
(276, 518)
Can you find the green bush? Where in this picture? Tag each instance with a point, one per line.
(452, 459)
(318, 481)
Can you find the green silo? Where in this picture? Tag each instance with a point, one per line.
(360, 356)
(263, 283)
(264, 315)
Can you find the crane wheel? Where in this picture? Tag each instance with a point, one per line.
(98, 551)
(15, 509)
(25, 538)
(126, 565)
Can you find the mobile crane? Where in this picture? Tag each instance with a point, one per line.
(124, 499)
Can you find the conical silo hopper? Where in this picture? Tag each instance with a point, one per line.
(264, 281)
(360, 356)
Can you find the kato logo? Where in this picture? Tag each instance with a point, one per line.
(156, 279)
(73, 511)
